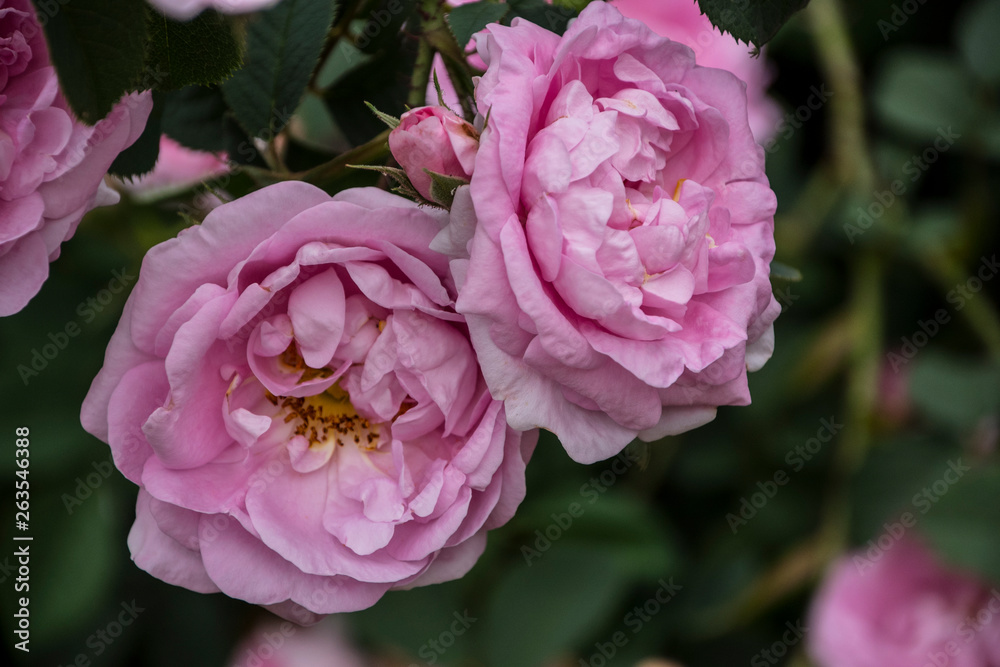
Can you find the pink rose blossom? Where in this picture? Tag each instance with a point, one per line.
(903, 609)
(682, 21)
(183, 10)
(51, 165)
(301, 407)
(177, 169)
(623, 228)
(436, 139)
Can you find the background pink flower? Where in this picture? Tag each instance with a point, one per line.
(302, 408)
(682, 21)
(623, 227)
(182, 10)
(51, 166)
(282, 644)
(177, 169)
(903, 609)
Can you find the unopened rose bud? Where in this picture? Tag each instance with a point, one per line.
(435, 139)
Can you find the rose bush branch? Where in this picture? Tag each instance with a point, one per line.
(431, 22)
(980, 314)
(329, 174)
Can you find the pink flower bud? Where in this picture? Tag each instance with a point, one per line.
(436, 139)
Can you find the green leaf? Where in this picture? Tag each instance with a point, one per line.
(923, 93)
(193, 116)
(618, 526)
(443, 187)
(751, 21)
(784, 272)
(954, 391)
(551, 17)
(546, 610)
(381, 80)
(428, 611)
(962, 526)
(389, 120)
(239, 146)
(98, 48)
(140, 157)
(889, 484)
(201, 51)
(989, 135)
(76, 574)
(379, 24)
(403, 185)
(466, 20)
(576, 5)
(283, 47)
(977, 39)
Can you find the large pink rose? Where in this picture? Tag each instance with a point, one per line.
(183, 10)
(51, 166)
(903, 609)
(623, 228)
(302, 408)
(682, 21)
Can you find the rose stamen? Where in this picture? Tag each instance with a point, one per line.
(677, 190)
(329, 417)
(292, 360)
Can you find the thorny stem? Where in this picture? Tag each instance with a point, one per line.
(431, 24)
(340, 29)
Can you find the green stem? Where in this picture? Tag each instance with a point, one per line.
(796, 229)
(853, 166)
(341, 28)
(431, 25)
(979, 312)
(847, 132)
(421, 75)
(458, 73)
(329, 174)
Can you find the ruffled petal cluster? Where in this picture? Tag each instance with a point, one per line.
(621, 232)
(682, 21)
(302, 408)
(51, 165)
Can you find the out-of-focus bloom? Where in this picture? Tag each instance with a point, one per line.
(183, 10)
(282, 644)
(177, 169)
(51, 165)
(436, 139)
(903, 609)
(682, 21)
(894, 402)
(302, 408)
(622, 229)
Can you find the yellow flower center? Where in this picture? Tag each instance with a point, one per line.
(329, 417)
